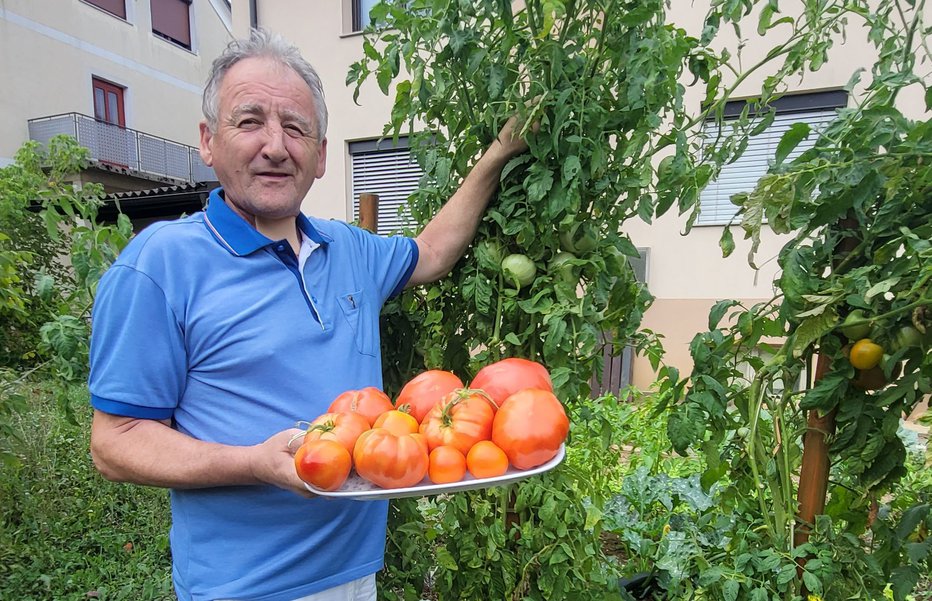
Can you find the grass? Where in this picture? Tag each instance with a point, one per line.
(65, 532)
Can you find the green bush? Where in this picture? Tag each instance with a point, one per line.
(65, 532)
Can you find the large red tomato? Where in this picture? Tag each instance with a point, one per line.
(370, 402)
(344, 428)
(425, 390)
(530, 426)
(390, 461)
(503, 378)
(323, 464)
(463, 418)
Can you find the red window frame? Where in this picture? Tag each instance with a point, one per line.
(108, 102)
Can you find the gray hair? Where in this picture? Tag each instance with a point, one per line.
(262, 44)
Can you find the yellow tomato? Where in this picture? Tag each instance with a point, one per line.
(865, 354)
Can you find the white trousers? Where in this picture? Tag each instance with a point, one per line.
(362, 589)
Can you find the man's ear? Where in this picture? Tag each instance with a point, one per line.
(206, 137)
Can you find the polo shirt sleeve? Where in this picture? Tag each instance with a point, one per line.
(137, 353)
(390, 259)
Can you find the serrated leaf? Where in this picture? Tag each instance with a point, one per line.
(812, 329)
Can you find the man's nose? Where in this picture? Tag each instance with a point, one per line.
(274, 148)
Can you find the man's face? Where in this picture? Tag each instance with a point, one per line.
(265, 149)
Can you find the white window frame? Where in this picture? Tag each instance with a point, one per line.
(388, 170)
(816, 109)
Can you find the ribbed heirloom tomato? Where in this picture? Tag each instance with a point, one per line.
(323, 464)
(425, 390)
(370, 402)
(462, 419)
(503, 378)
(530, 426)
(344, 428)
(388, 460)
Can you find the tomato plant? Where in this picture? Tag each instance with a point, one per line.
(503, 378)
(462, 419)
(370, 402)
(423, 391)
(529, 427)
(486, 460)
(389, 460)
(447, 464)
(323, 463)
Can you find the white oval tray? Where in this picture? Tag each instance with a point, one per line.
(362, 490)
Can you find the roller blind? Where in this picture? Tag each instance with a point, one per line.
(170, 19)
(742, 175)
(116, 7)
(393, 175)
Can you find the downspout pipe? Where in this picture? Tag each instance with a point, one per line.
(253, 14)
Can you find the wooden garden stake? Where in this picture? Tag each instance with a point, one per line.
(369, 211)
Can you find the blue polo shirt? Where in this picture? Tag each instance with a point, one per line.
(208, 323)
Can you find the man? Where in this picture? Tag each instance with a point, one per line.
(215, 333)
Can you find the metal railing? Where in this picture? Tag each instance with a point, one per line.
(126, 150)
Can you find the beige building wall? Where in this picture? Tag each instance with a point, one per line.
(686, 274)
(50, 50)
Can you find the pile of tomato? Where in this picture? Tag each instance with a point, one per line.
(437, 428)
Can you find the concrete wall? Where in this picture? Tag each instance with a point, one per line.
(50, 50)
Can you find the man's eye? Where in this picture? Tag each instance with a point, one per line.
(248, 123)
(296, 131)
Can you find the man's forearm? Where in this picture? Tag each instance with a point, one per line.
(446, 237)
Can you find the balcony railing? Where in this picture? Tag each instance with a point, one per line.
(126, 150)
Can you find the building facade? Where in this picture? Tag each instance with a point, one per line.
(122, 76)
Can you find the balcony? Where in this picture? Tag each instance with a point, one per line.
(127, 151)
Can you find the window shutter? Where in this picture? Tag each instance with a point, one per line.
(170, 20)
(743, 174)
(114, 7)
(393, 175)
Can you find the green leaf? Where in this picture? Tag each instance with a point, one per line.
(811, 330)
(718, 312)
(827, 393)
(727, 242)
(790, 140)
(730, 590)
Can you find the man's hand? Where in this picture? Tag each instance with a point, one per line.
(273, 461)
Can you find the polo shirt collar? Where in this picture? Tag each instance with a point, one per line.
(238, 236)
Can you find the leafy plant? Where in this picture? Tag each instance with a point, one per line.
(857, 207)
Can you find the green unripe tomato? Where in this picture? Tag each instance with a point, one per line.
(906, 337)
(578, 238)
(519, 270)
(853, 330)
(561, 270)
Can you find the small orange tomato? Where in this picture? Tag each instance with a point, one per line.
(447, 465)
(323, 464)
(344, 428)
(370, 402)
(865, 354)
(397, 422)
(486, 460)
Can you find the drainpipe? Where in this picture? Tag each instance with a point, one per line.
(253, 14)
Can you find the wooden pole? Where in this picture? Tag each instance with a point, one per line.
(369, 211)
(813, 475)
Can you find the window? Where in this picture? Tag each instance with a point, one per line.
(816, 109)
(172, 21)
(108, 102)
(114, 7)
(361, 10)
(378, 167)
